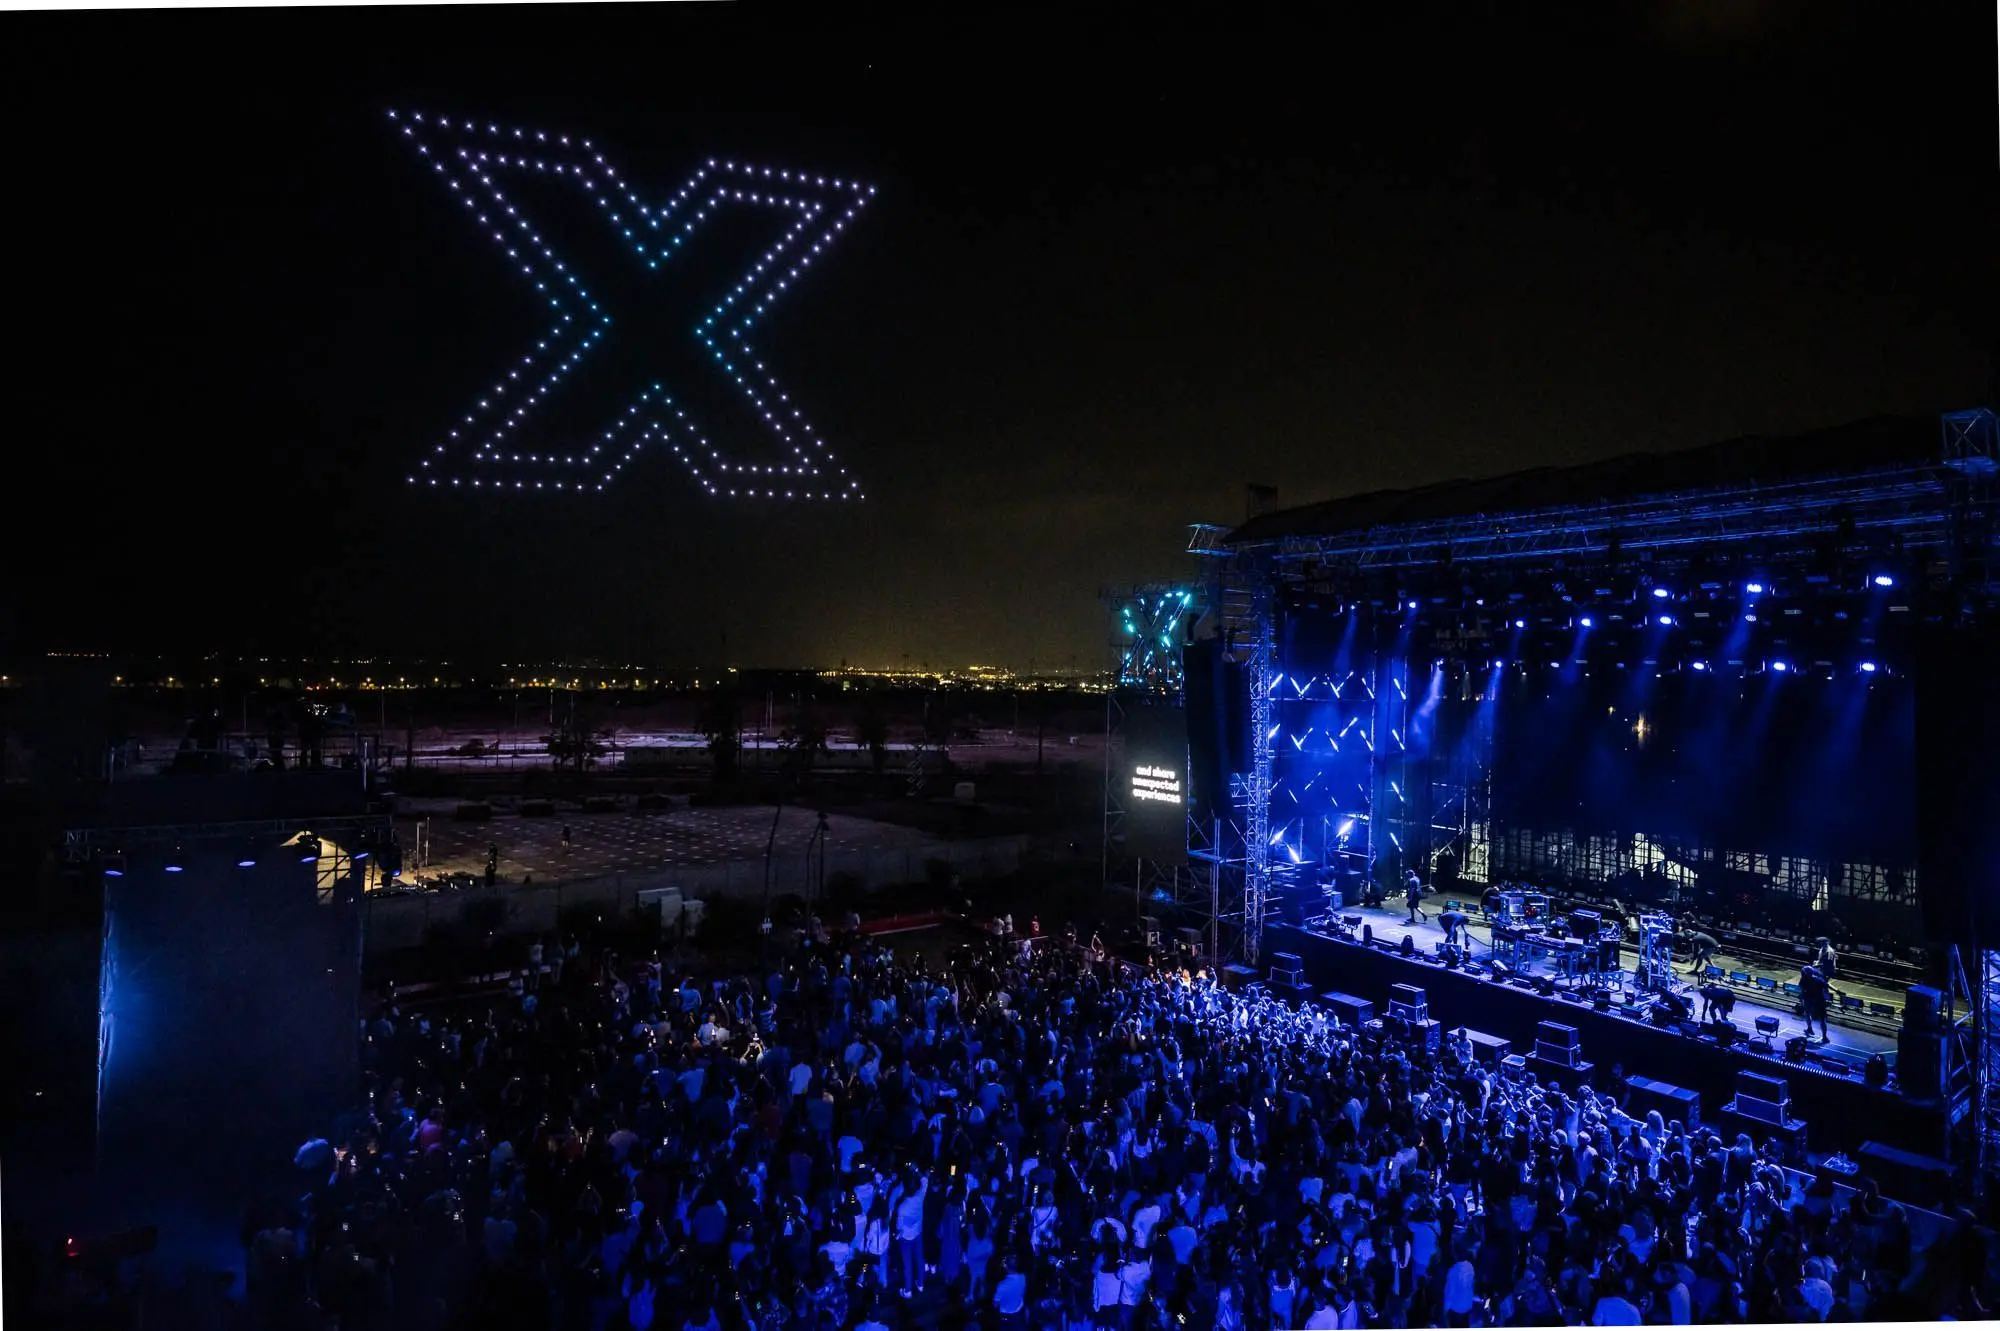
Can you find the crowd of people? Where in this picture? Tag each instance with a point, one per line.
(1027, 1135)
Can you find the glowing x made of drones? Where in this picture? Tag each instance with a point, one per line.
(470, 158)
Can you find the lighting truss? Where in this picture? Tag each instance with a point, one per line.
(1986, 1024)
(1907, 501)
(486, 449)
(1259, 672)
(1970, 442)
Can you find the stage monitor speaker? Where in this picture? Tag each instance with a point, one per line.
(1768, 1099)
(1921, 1065)
(1958, 836)
(1558, 1043)
(1675, 1103)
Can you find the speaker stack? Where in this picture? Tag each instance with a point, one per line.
(1763, 1109)
(1921, 1067)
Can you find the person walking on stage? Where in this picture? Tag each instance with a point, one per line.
(1812, 998)
(1413, 893)
(1703, 946)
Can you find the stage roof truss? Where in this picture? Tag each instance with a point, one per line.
(1908, 504)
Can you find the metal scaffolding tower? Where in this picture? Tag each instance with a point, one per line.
(1260, 667)
(1986, 1034)
(1150, 626)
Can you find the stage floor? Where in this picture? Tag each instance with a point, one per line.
(1856, 1042)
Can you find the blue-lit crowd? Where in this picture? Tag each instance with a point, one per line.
(1024, 1138)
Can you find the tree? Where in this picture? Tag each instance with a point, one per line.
(721, 723)
(572, 745)
(871, 729)
(574, 749)
(802, 742)
(939, 715)
(277, 729)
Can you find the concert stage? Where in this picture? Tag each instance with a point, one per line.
(1851, 1046)
(1732, 690)
(1841, 1113)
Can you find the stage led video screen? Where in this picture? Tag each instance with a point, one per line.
(1153, 782)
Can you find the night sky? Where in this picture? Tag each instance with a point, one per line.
(1114, 271)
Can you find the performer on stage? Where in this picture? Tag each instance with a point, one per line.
(1413, 893)
(1454, 926)
(1703, 946)
(1812, 997)
(1827, 961)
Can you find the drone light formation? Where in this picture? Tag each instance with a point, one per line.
(468, 156)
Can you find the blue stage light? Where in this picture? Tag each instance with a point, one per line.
(308, 859)
(246, 864)
(1520, 623)
(114, 873)
(1750, 618)
(173, 868)
(360, 855)
(1780, 666)
(1666, 621)
(1754, 588)
(1868, 667)
(1662, 593)
(1585, 621)
(1701, 665)
(1884, 580)
(1413, 605)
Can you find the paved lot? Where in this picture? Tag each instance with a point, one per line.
(610, 843)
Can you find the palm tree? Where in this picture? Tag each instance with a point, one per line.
(939, 718)
(803, 741)
(721, 723)
(572, 744)
(871, 728)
